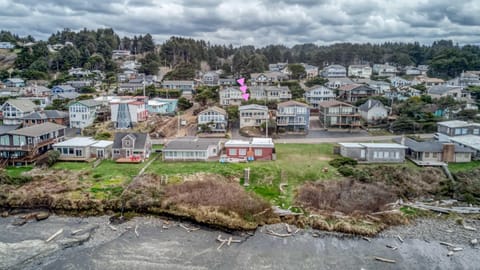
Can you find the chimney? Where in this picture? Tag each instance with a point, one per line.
(448, 153)
(402, 141)
(369, 103)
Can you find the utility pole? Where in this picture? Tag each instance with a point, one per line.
(268, 116)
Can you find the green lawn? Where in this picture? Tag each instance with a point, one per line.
(296, 163)
(458, 167)
(17, 171)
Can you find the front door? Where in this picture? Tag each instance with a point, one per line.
(362, 154)
(129, 152)
(100, 153)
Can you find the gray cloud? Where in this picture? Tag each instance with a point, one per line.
(257, 22)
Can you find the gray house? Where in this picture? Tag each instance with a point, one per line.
(435, 153)
(374, 152)
(456, 128)
(131, 147)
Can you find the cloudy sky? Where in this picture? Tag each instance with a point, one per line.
(255, 22)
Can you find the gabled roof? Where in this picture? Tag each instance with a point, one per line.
(15, 80)
(441, 89)
(68, 95)
(37, 130)
(89, 102)
(198, 144)
(333, 103)
(140, 140)
(291, 103)
(7, 128)
(429, 146)
(315, 87)
(253, 107)
(24, 105)
(65, 87)
(215, 109)
(47, 114)
(370, 104)
(350, 87)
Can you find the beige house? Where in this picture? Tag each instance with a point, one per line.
(253, 115)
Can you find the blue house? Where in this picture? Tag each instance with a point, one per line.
(63, 88)
(14, 82)
(293, 116)
(162, 106)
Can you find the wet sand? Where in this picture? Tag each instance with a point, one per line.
(98, 246)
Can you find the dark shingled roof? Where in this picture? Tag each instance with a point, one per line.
(430, 146)
(7, 128)
(37, 130)
(47, 114)
(190, 144)
(140, 140)
(369, 104)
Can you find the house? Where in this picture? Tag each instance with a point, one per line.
(63, 88)
(83, 149)
(117, 54)
(66, 96)
(14, 82)
(384, 70)
(412, 71)
(40, 101)
(210, 78)
(227, 82)
(265, 78)
(40, 91)
(469, 78)
(433, 153)
(310, 71)
(13, 110)
(127, 112)
(399, 82)
(213, 119)
(191, 149)
(79, 85)
(334, 71)
(336, 114)
(270, 93)
(277, 66)
(253, 115)
(254, 149)
(360, 71)
(7, 45)
(353, 92)
(381, 87)
(131, 147)
(456, 128)
(471, 142)
(162, 105)
(293, 116)
(40, 117)
(317, 94)
(373, 110)
(25, 145)
(79, 72)
(439, 91)
(374, 152)
(230, 96)
(130, 87)
(83, 113)
(187, 87)
(427, 81)
(338, 82)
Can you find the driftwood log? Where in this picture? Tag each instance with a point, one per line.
(384, 260)
(226, 241)
(54, 235)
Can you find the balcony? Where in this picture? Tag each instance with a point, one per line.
(27, 147)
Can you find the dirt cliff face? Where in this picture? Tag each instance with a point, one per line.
(7, 59)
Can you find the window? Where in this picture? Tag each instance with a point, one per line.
(476, 131)
(258, 152)
(5, 140)
(375, 154)
(397, 155)
(242, 152)
(65, 151)
(434, 154)
(232, 152)
(117, 152)
(70, 151)
(427, 154)
(386, 154)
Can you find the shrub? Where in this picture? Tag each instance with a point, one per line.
(103, 136)
(342, 161)
(13, 180)
(49, 159)
(346, 170)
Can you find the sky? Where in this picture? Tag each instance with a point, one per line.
(254, 22)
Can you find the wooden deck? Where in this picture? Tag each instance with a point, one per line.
(129, 160)
(427, 163)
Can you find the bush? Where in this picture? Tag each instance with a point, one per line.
(342, 161)
(346, 170)
(6, 179)
(103, 136)
(49, 159)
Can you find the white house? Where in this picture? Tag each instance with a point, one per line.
(230, 96)
(253, 115)
(384, 70)
(215, 118)
(317, 94)
(334, 71)
(399, 82)
(361, 71)
(271, 93)
(82, 113)
(310, 71)
(373, 110)
(13, 110)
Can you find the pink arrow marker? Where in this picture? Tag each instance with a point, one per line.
(241, 81)
(243, 88)
(245, 96)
